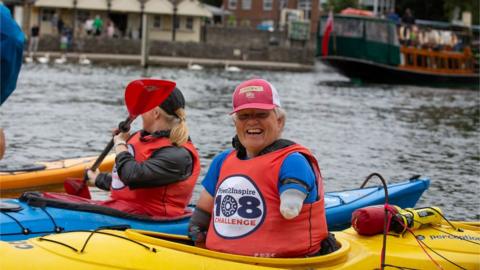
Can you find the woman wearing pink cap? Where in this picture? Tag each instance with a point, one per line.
(264, 197)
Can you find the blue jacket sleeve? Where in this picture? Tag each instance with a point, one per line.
(11, 54)
(297, 167)
(211, 178)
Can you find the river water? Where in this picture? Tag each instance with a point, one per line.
(62, 111)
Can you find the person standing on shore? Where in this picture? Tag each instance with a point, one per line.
(34, 38)
(89, 26)
(97, 25)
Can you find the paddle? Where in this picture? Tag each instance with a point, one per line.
(140, 96)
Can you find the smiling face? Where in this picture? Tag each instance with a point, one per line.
(257, 129)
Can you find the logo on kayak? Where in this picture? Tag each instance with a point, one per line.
(239, 208)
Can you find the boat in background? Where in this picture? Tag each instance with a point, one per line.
(35, 215)
(48, 173)
(375, 50)
(438, 246)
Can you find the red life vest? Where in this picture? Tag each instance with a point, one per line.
(246, 218)
(170, 200)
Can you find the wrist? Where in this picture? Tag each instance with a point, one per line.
(120, 142)
(120, 147)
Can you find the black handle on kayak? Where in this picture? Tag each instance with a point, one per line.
(124, 126)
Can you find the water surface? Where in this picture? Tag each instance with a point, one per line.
(398, 131)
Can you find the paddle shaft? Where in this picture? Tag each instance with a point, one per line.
(123, 127)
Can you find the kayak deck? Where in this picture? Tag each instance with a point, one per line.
(135, 249)
(53, 172)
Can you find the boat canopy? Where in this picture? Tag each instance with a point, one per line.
(367, 38)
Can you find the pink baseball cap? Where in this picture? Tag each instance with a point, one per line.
(255, 94)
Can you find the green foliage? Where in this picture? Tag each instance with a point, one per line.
(232, 20)
(464, 5)
(439, 10)
(339, 5)
(217, 3)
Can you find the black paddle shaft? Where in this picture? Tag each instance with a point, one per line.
(124, 126)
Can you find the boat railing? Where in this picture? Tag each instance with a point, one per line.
(449, 62)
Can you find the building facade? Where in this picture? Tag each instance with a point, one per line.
(53, 17)
(258, 13)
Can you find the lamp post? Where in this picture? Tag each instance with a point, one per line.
(144, 33)
(74, 24)
(174, 17)
(27, 6)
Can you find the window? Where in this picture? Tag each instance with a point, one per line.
(246, 4)
(306, 6)
(282, 4)
(157, 21)
(267, 4)
(346, 27)
(232, 4)
(47, 14)
(376, 31)
(189, 23)
(245, 22)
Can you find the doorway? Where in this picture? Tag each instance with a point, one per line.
(120, 21)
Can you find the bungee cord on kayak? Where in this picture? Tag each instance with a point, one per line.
(399, 221)
(26, 231)
(91, 233)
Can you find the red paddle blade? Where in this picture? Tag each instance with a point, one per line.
(77, 187)
(145, 94)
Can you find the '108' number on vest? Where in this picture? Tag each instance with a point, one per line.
(227, 205)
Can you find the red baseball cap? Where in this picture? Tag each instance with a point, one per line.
(255, 94)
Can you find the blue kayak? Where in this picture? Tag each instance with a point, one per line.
(32, 215)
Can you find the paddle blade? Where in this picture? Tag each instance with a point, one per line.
(77, 187)
(145, 94)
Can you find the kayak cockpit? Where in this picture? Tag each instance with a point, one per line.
(184, 244)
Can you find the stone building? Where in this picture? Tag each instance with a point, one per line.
(125, 15)
(261, 13)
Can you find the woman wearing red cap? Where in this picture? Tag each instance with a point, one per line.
(156, 168)
(265, 196)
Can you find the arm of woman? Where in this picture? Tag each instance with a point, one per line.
(167, 165)
(200, 220)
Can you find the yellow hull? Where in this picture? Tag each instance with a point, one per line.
(55, 173)
(146, 250)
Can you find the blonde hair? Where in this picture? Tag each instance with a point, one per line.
(178, 126)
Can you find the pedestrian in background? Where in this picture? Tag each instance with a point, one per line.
(98, 25)
(34, 38)
(89, 26)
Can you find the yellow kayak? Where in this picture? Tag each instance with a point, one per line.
(133, 249)
(51, 172)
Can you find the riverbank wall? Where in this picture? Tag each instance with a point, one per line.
(219, 45)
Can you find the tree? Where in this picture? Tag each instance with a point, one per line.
(439, 10)
(449, 7)
(217, 3)
(339, 5)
